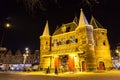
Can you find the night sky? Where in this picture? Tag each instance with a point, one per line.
(28, 25)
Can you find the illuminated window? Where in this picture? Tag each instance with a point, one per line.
(63, 41)
(55, 42)
(72, 39)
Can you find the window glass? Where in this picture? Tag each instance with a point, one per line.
(55, 42)
(63, 41)
(72, 39)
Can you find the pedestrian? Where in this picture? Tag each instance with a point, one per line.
(48, 70)
(56, 71)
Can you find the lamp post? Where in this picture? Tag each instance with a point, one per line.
(25, 55)
(118, 51)
(7, 25)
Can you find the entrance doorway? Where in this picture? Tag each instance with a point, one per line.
(71, 63)
(83, 66)
(101, 66)
(63, 63)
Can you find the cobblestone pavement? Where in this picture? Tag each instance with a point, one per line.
(111, 75)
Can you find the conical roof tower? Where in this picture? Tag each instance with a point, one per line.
(82, 20)
(46, 30)
(95, 23)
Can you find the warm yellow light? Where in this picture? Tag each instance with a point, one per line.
(117, 51)
(7, 25)
(72, 55)
(27, 51)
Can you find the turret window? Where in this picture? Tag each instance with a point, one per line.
(104, 42)
(46, 43)
(102, 33)
(76, 40)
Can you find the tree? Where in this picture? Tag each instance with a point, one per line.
(18, 53)
(8, 56)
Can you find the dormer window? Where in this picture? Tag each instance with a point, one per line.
(64, 29)
(68, 29)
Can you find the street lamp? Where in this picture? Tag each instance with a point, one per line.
(7, 25)
(118, 51)
(25, 55)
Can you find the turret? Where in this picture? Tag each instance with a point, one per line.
(84, 33)
(81, 31)
(102, 47)
(45, 40)
(44, 44)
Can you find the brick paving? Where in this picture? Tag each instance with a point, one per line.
(111, 75)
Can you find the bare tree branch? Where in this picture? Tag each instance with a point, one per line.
(42, 3)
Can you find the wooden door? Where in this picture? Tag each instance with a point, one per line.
(71, 63)
(83, 66)
(101, 66)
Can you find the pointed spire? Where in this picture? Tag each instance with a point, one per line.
(75, 20)
(46, 30)
(57, 27)
(95, 23)
(82, 19)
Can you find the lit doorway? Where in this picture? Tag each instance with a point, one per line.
(71, 63)
(63, 63)
(101, 65)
